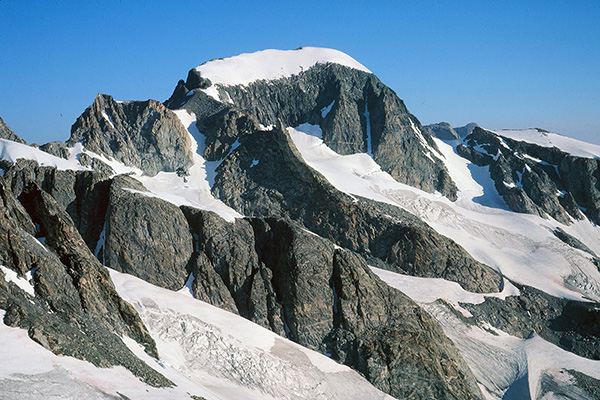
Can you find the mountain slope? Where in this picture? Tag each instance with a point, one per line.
(284, 195)
(356, 111)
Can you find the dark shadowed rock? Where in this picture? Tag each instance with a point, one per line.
(300, 265)
(226, 258)
(196, 81)
(571, 325)
(534, 179)
(82, 194)
(299, 285)
(282, 185)
(391, 340)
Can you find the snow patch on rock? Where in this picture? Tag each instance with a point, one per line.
(520, 246)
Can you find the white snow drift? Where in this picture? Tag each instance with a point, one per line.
(268, 65)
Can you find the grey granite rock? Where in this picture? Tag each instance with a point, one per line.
(75, 309)
(282, 185)
(356, 112)
(82, 194)
(442, 130)
(571, 325)
(58, 149)
(144, 134)
(146, 236)
(391, 340)
(534, 179)
(299, 285)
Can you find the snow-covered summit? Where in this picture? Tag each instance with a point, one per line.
(272, 64)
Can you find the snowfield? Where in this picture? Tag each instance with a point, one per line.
(230, 356)
(520, 246)
(12, 151)
(549, 139)
(510, 368)
(211, 353)
(268, 65)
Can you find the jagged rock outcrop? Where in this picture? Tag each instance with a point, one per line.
(75, 309)
(82, 194)
(283, 185)
(441, 130)
(226, 254)
(571, 325)
(143, 134)
(356, 112)
(58, 149)
(374, 322)
(301, 286)
(7, 133)
(535, 179)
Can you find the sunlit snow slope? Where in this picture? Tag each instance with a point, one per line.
(521, 246)
(549, 139)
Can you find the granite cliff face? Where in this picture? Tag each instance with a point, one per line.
(73, 308)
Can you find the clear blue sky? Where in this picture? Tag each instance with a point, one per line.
(503, 64)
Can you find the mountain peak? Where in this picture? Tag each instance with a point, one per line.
(271, 64)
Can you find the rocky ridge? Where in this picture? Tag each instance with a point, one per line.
(534, 179)
(141, 134)
(357, 113)
(262, 268)
(445, 131)
(297, 263)
(74, 309)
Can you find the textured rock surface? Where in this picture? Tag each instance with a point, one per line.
(58, 149)
(356, 112)
(298, 284)
(225, 253)
(82, 194)
(535, 179)
(392, 340)
(442, 130)
(146, 236)
(76, 310)
(282, 185)
(571, 325)
(144, 134)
